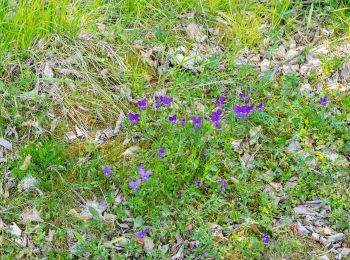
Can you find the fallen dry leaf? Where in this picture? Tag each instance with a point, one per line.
(81, 216)
(26, 163)
(130, 151)
(255, 229)
(194, 32)
(14, 230)
(30, 215)
(276, 185)
(6, 144)
(148, 243)
(295, 230)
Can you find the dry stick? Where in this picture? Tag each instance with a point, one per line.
(313, 42)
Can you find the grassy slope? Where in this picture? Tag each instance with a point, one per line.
(170, 202)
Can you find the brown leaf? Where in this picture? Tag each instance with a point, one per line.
(255, 229)
(295, 230)
(276, 185)
(30, 215)
(81, 216)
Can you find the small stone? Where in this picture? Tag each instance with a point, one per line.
(281, 52)
(324, 241)
(304, 69)
(315, 236)
(335, 238)
(345, 251)
(264, 65)
(305, 89)
(327, 231)
(70, 136)
(345, 72)
(294, 146)
(6, 144)
(108, 132)
(291, 53)
(194, 32)
(255, 59)
(302, 230)
(236, 144)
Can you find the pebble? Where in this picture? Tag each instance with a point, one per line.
(315, 236)
(291, 53)
(336, 238)
(302, 230)
(327, 231)
(345, 251)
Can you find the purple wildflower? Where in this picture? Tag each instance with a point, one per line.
(244, 97)
(106, 170)
(144, 175)
(160, 152)
(135, 184)
(197, 121)
(122, 197)
(182, 121)
(173, 118)
(198, 183)
(220, 102)
(142, 103)
(143, 232)
(223, 184)
(260, 106)
(323, 101)
(265, 238)
(166, 100)
(243, 111)
(134, 118)
(215, 118)
(158, 102)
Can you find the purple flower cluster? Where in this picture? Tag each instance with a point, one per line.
(221, 102)
(135, 184)
(323, 101)
(197, 121)
(142, 103)
(215, 118)
(106, 170)
(244, 97)
(265, 238)
(144, 174)
(160, 152)
(173, 119)
(182, 121)
(134, 118)
(223, 184)
(143, 232)
(243, 111)
(163, 100)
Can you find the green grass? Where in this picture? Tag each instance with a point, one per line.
(91, 75)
